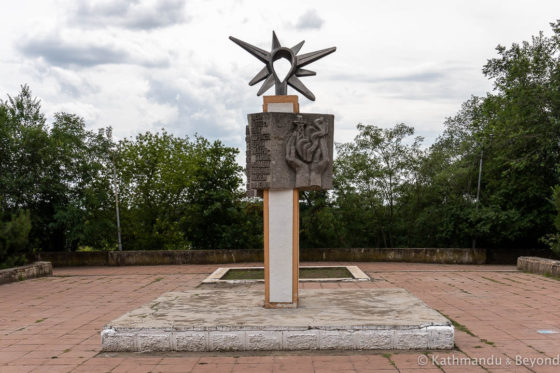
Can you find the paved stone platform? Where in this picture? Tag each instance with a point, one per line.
(53, 324)
(227, 320)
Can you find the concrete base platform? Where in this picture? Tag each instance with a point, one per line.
(226, 320)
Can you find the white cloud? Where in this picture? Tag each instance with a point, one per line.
(74, 49)
(140, 15)
(309, 20)
(143, 65)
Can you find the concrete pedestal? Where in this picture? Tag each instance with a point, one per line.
(222, 320)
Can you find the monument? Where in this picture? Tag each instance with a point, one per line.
(287, 151)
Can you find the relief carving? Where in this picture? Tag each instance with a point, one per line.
(307, 151)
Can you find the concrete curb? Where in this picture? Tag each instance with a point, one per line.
(37, 269)
(542, 266)
(434, 337)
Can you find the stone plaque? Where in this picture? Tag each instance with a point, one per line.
(289, 151)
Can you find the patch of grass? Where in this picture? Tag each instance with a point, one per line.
(244, 274)
(95, 249)
(387, 356)
(154, 306)
(304, 273)
(549, 275)
(40, 320)
(157, 279)
(463, 328)
(467, 355)
(65, 351)
(512, 280)
(334, 272)
(459, 326)
(433, 360)
(496, 281)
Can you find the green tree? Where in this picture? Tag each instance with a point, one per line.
(154, 176)
(553, 239)
(444, 195)
(370, 174)
(517, 126)
(178, 193)
(81, 184)
(14, 240)
(55, 173)
(319, 219)
(215, 214)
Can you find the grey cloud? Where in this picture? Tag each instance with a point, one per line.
(76, 89)
(163, 93)
(424, 76)
(58, 52)
(131, 14)
(447, 82)
(309, 20)
(195, 115)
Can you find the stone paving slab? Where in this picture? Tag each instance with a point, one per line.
(52, 324)
(209, 320)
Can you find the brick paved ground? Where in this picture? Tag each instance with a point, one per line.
(53, 324)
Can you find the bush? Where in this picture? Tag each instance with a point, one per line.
(14, 240)
(553, 240)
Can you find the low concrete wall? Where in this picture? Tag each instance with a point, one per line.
(123, 258)
(75, 259)
(543, 266)
(425, 255)
(37, 269)
(157, 257)
(151, 257)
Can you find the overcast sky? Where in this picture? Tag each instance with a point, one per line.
(146, 65)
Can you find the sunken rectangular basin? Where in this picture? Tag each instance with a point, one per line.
(235, 275)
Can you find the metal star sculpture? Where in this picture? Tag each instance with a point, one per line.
(297, 62)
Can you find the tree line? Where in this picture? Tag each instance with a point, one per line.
(490, 179)
(59, 184)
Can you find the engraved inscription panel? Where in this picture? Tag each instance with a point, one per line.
(258, 154)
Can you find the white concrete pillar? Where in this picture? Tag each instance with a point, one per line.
(281, 230)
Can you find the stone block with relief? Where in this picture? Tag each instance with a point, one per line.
(289, 151)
